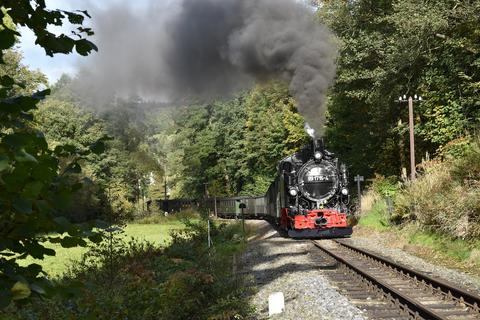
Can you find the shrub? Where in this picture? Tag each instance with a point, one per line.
(466, 169)
(455, 149)
(193, 288)
(446, 198)
(136, 280)
(161, 218)
(385, 186)
(369, 199)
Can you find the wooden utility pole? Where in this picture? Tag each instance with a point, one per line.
(412, 141)
(411, 129)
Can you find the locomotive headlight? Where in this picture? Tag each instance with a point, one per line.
(317, 155)
(344, 191)
(293, 192)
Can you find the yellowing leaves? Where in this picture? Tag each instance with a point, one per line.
(20, 290)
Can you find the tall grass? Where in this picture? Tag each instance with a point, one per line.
(446, 197)
(161, 218)
(375, 218)
(369, 199)
(439, 211)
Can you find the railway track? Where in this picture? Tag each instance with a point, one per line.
(388, 290)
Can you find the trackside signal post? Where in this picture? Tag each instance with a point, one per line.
(359, 179)
(209, 238)
(242, 207)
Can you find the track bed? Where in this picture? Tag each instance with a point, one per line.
(388, 290)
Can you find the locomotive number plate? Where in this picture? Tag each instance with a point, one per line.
(318, 178)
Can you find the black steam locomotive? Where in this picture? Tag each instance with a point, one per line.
(308, 198)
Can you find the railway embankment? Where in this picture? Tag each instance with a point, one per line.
(394, 246)
(273, 263)
(435, 216)
(386, 289)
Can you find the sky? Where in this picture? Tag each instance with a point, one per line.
(53, 67)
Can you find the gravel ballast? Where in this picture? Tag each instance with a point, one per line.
(378, 245)
(277, 264)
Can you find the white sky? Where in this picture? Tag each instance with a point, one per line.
(34, 56)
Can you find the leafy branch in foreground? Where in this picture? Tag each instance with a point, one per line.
(33, 189)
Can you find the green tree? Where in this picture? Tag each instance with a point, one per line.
(25, 81)
(390, 48)
(65, 124)
(234, 146)
(32, 187)
(274, 130)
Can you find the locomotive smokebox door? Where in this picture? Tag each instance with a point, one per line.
(242, 205)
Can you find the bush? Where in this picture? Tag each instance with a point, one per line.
(455, 149)
(446, 198)
(466, 169)
(385, 186)
(136, 280)
(161, 218)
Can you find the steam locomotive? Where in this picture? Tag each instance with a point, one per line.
(308, 198)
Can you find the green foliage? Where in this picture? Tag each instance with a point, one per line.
(25, 81)
(385, 186)
(466, 169)
(456, 248)
(456, 149)
(234, 145)
(446, 197)
(395, 47)
(443, 202)
(131, 160)
(34, 188)
(56, 266)
(160, 218)
(184, 281)
(36, 17)
(376, 218)
(119, 181)
(274, 129)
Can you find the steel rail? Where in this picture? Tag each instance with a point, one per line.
(464, 296)
(414, 307)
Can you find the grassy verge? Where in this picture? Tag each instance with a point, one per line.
(139, 280)
(376, 219)
(432, 246)
(458, 253)
(157, 234)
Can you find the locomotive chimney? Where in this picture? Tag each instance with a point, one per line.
(318, 150)
(318, 145)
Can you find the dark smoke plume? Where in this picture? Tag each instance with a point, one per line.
(205, 49)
